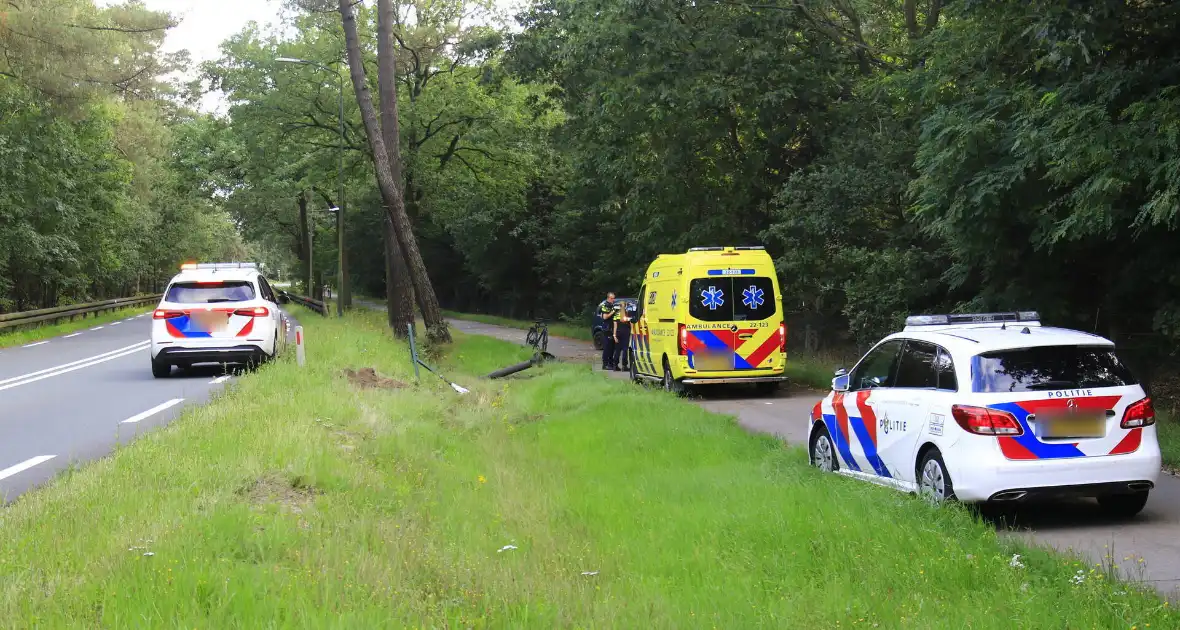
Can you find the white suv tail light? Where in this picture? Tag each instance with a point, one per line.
(984, 421)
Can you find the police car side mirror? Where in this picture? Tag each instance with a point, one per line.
(840, 383)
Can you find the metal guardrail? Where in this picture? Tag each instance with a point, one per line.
(58, 313)
(314, 305)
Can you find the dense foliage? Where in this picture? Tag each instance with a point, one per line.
(893, 156)
(95, 197)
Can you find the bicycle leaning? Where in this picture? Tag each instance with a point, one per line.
(538, 336)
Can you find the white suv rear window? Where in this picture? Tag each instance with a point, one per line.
(210, 292)
(1048, 368)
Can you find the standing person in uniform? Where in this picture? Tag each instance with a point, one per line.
(606, 313)
(622, 338)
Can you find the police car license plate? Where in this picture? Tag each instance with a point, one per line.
(712, 361)
(210, 321)
(1072, 426)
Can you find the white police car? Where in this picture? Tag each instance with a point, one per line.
(991, 407)
(216, 313)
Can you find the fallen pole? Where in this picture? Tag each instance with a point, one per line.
(512, 369)
(538, 359)
(454, 386)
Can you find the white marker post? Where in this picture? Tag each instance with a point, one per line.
(299, 357)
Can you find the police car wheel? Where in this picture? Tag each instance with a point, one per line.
(934, 481)
(598, 337)
(1123, 505)
(823, 454)
(161, 369)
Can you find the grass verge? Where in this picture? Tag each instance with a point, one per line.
(298, 500)
(556, 329)
(1168, 431)
(40, 333)
(811, 371)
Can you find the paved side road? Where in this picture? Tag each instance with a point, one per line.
(1153, 536)
(73, 398)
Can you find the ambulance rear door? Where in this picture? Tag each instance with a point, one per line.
(733, 321)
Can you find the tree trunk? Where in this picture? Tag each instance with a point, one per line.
(305, 235)
(436, 326)
(399, 297)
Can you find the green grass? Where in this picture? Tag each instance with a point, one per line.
(556, 329)
(811, 371)
(39, 333)
(1168, 430)
(296, 500)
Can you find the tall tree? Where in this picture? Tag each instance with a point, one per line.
(436, 325)
(398, 288)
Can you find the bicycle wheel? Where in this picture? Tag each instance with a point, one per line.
(531, 338)
(543, 342)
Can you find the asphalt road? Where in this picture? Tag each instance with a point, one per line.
(1146, 548)
(73, 398)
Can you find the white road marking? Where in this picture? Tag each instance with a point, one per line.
(101, 327)
(117, 323)
(32, 377)
(153, 411)
(78, 333)
(39, 343)
(25, 465)
(66, 365)
(222, 379)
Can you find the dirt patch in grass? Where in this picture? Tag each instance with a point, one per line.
(368, 378)
(289, 494)
(528, 418)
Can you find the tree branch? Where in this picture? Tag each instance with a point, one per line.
(443, 158)
(932, 16)
(117, 29)
(489, 155)
(910, 8)
(434, 132)
(474, 171)
(327, 198)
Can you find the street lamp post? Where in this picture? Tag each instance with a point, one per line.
(339, 179)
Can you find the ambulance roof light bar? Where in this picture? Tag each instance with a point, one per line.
(731, 248)
(228, 265)
(1024, 317)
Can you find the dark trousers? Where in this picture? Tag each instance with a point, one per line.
(622, 356)
(608, 350)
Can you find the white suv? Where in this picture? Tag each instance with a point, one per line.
(216, 313)
(991, 407)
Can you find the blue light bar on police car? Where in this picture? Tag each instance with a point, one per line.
(972, 318)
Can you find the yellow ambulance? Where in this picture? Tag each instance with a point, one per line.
(711, 315)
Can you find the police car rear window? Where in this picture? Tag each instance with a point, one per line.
(1048, 368)
(210, 292)
(737, 299)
